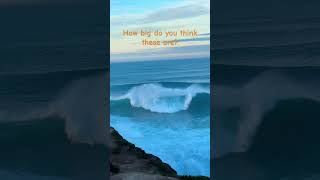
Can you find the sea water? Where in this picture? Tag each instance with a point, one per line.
(163, 107)
(49, 118)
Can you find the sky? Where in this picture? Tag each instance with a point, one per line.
(165, 15)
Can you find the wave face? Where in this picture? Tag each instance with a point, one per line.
(156, 98)
(244, 106)
(68, 97)
(266, 94)
(55, 115)
(265, 118)
(163, 108)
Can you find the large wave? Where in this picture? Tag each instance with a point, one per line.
(160, 99)
(81, 103)
(238, 111)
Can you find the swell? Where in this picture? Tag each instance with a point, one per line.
(54, 71)
(79, 101)
(296, 54)
(242, 108)
(157, 98)
(263, 41)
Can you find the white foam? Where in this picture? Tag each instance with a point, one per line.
(81, 104)
(254, 99)
(185, 149)
(156, 98)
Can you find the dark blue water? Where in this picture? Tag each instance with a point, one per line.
(265, 122)
(266, 97)
(163, 107)
(53, 90)
(49, 122)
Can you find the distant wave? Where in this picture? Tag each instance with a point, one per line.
(160, 99)
(304, 55)
(166, 81)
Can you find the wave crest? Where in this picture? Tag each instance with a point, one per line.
(156, 98)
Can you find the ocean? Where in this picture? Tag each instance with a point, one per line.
(53, 125)
(266, 97)
(265, 123)
(163, 107)
(53, 90)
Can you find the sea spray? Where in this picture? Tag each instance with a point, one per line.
(156, 98)
(163, 107)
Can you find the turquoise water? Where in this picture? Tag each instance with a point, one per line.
(163, 107)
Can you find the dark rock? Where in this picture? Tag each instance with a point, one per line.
(127, 159)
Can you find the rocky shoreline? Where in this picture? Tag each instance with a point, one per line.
(129, 162)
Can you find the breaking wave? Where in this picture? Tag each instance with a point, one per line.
(160, 99)
(242, 109)
(80, 103)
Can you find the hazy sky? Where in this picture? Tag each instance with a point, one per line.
(165, 15)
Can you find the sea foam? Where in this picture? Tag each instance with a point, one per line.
(160, 99)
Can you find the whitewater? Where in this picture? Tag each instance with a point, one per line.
(165, 110)
(156, 98)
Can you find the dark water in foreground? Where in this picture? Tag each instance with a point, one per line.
(52, 125)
